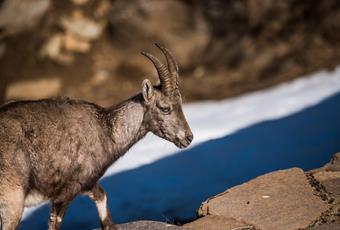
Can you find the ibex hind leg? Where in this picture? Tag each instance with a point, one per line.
(11, 207)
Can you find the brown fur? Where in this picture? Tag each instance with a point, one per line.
(57, 148)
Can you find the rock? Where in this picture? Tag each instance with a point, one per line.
(148, 225)
(74, 44)
(52, 47)
(53, 50)
(79, 2)
(329, 177)
(326, 182)
(34, 89)
(213, 222)
(59, 47)
(2, 49)
(17, 15)
(102, 9)
(279, 200)
(100, 77)
(334, 164)
(332, 226)
(135, 23)
(331, 181)
(82, 27)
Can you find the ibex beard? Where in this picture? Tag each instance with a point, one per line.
(55, 149)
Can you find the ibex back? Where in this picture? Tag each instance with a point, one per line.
(55, 149)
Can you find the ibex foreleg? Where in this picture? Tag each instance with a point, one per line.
(98, 195)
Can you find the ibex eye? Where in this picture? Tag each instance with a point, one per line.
(165, 109)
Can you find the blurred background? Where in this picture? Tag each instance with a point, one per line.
(267, 68)
(89, 49)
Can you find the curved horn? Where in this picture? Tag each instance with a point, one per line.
(172, 64)
(163, 72)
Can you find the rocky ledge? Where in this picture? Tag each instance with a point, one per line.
(286, 199)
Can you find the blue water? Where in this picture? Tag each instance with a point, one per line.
(174, 187)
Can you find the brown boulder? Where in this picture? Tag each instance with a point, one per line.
(213, 222)
(34, 89)
(278, 200)
(183, 28)
(329, 177)
(332, 226)
(17, 16)
(148, 225)
(331, 181)
(334, 164)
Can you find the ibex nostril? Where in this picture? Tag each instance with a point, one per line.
(189, 138)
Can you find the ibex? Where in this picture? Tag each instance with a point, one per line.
(55, 149)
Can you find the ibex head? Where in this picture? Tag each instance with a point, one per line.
(163, 103)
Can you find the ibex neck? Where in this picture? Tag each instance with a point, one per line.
(127, 124)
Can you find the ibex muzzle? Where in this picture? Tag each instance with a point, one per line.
(55, 149)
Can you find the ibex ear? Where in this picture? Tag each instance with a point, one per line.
(147, 90)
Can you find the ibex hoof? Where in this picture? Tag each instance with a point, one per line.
(110, 227)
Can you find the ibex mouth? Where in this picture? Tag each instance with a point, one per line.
(184, 142)
(181, 145)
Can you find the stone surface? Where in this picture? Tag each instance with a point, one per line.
(161, 21)
(74, 44)
(148, 225)
(331, 181)
(34, 89)
(279, 200)
(334, 164)
(82, 27)
(17, 15)
(332, 226)
(2, 49)
(329, 177)
(326, 182)
(53, 49)
(212, 222)
(79, 2)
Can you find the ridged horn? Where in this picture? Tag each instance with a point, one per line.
(172, 64)
(163, 73)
